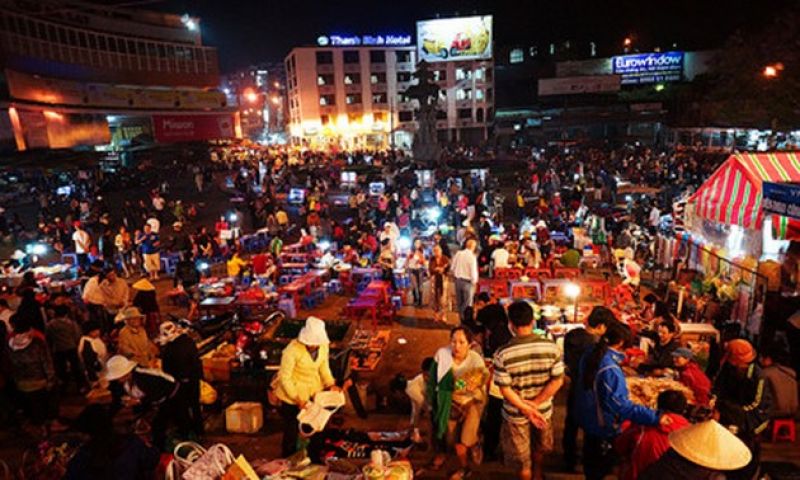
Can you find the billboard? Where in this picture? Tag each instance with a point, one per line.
(187, 128)
(782, 199)
(462, 38)
(577, 85)
(649, 67)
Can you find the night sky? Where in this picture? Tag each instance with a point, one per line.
(252, 31)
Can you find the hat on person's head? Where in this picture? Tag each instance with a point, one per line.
(128, 313)
(684, 353)
(18, 255)
(169, 331)
(710, 445)
(740, 352)
(144, 285)
(313, 333)
(76, 223)
(117, 367)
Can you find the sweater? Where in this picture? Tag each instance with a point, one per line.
(32, 366)
(63, 334)
(300, 376)
(641, 446)
(134, 344)
(697, 381)
(782, 383)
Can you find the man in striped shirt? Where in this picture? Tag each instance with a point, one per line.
(529, 371)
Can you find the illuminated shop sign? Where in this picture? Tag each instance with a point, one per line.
(649, 67)
(363, 40)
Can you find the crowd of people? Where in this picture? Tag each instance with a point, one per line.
(491, 388)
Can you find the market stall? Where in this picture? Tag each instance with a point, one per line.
(729, 235)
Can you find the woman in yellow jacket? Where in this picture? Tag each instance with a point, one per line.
(304, 372)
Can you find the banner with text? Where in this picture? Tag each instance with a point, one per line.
(577, 85)
(781, 199)
(188, 128)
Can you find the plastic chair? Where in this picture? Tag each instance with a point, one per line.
(783, 430)
(501, 273)
(513, 274)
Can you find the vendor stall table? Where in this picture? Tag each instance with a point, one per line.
(496, 288)
(378, 289)
(529, 289)
(699, 330)
(566, 272)
(358, 307)
(217, 303)
(553, 283)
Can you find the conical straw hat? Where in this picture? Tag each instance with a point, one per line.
(710, 445)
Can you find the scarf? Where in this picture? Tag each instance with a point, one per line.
(440, 389)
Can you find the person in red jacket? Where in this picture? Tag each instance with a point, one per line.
(639, 446)
(691, 375)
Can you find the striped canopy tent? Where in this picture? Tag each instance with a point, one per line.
(732, 195)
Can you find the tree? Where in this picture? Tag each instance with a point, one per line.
(737, 91)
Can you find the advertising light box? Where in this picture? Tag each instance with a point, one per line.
(649, 67)
(462, 38)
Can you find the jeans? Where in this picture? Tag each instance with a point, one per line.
(569, 441)
(289, 414)
(598, 457)
(464, 292)
(416, 286)
(61, 360)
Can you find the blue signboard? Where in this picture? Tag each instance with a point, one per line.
(781, 199)
(649, 67)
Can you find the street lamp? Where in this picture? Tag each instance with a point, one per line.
(770, 71)
(250, 95)
(573, 291)
(276, 100)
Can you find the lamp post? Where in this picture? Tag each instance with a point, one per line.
(573, 291)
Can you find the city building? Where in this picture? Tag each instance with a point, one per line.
(260, 93)
(80, 74)
(350, 90)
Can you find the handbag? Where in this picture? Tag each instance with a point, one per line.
(211, 465)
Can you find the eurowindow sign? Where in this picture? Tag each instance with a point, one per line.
(649, 67)
(364, 40)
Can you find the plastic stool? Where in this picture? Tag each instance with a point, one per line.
(286, 305)
(335, 286)
(783, 430)
(309, 302)
(397, 302)
(284, 279)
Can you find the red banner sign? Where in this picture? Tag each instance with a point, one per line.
(187, 128)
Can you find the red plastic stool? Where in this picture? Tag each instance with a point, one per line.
(783, 430)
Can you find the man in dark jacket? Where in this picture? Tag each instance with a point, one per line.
(63, 335)
(181, 360)
(180, 242)
(666, 342)
(743, 399)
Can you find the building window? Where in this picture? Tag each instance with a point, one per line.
(325, 119)
(324, 58)
(479, 115)
(377, 56)
(464, 113)
(533, 51)
(326, 100)
(377, 78)
(441, 115)
(479, 94)
(403, 76)
(326, 79)
(439, 75)
(402, 98)
(516, 55)
(463, 74)
(378, 98)
(352, 79)
(442, 95)
(480, 73)
(405, 116)
(353, 99)
(488, 72)
(378, 116)
(351, 56)
(403, 56)
(463, 94)
(353, 118)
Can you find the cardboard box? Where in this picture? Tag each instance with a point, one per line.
(216, 369)
(244, 417)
